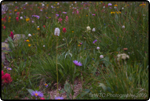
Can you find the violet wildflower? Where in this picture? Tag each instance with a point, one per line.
(59, 98)
(46, 85)
(37, 93)
(109, 4)
(94, 41)
(64, 12)
(8, 68)
(57, 15)
(77, 63)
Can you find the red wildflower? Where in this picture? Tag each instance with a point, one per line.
(44, 26)
(11, 35)
(7, 78)
(64, 30)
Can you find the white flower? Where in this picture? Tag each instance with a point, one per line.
(29, 35)
(43, 4)
(122, 56)
(115, 7)
(123, 26)
(21, 17)
(93, 29)
(122, 7)
(57, 3)
(37, 26)
(57, 31)
(98, 48)
(103, 6)
(43, 45)
(26, 3)
(101, 56)
(32, 21)
(88, 28)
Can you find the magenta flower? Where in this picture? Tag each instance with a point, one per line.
(11, 35)
(37, 93)
(94, 41)
(77, 63)
(59, 98)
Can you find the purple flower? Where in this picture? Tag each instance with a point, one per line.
(36, 16)
(77, 63)
(59, 98)
(37, 93)
(109, 4)
(64, 12)
(94, 41)
(46, 85)
(93, 14)
(57, 15)
(8, 68)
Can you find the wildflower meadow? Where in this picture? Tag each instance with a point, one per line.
(74, 50)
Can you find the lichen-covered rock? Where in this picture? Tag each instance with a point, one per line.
(17, 37)
(5, 47)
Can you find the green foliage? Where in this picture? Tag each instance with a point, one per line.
(102, 78)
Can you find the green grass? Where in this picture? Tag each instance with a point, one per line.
(36, 64)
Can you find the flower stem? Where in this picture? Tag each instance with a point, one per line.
(56, 64)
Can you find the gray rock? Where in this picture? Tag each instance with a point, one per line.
(3, 56)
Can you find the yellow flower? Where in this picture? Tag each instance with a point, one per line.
(49, 17)
(112, 12)
(9, 17)
(46, 12)
(118, 12)
(86, 15)
(8, 20)
(27, 40)
(27, 19)
(33, 34)
(79, 45)
(142, 5)
(29, 45)
(15, 10)
(72, 31)
(54, 4)
(38, 28)
(115, 5)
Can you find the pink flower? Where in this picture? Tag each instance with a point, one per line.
(64, 30)
(66, 18)
(60, 19)
(4, 27)
(77, 12)
(44, 26)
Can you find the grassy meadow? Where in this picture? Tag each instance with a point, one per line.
(93, 33)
